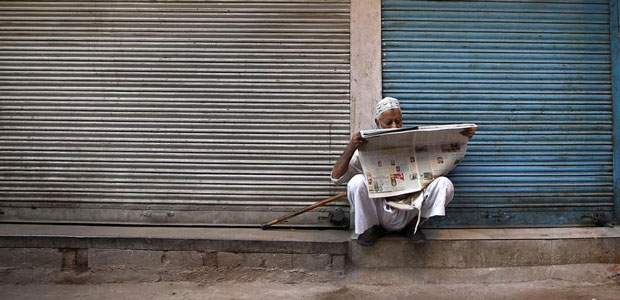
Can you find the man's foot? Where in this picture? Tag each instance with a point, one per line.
(414, 238)
(371, 235)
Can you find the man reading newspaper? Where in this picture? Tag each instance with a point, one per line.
(373, 216)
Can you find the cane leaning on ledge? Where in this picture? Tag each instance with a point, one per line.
(373, 218)
(303, 210)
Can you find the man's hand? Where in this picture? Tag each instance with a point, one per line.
(342, 164)
(469, 132)
(356, 141)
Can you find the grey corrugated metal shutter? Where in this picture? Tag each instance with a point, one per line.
(535, 77)
(170, 111)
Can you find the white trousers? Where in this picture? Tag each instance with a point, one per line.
(369, 212)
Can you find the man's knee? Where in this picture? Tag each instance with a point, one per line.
(442, 185)
(356, 189)
(357, 184)
(445, 183)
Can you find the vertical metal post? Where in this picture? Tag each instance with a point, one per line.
(615, 94)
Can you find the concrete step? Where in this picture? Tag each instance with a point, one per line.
(476, 248)
(175, 238)
(70, 253)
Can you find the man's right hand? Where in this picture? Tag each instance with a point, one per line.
(356, 141)
(342, 164)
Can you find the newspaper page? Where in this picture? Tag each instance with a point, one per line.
(405, 160)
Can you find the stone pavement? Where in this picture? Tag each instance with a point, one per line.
(580, 281)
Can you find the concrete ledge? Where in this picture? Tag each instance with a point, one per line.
(66, 253)
(174, 238)
(481, 248)
(76, 254)
(571, 273)
(522, 233)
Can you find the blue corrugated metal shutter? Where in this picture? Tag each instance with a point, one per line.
(535, 77)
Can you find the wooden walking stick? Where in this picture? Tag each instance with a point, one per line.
(303, 210)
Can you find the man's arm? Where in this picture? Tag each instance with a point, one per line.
(341, 166)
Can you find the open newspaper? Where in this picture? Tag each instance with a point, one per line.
(405, 160)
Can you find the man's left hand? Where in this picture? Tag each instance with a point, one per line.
(469, 132)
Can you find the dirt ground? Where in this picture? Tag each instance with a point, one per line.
(600, 282)
(547, 290)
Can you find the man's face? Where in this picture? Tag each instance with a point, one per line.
(390, 119)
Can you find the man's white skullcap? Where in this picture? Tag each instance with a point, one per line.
(386, 104)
